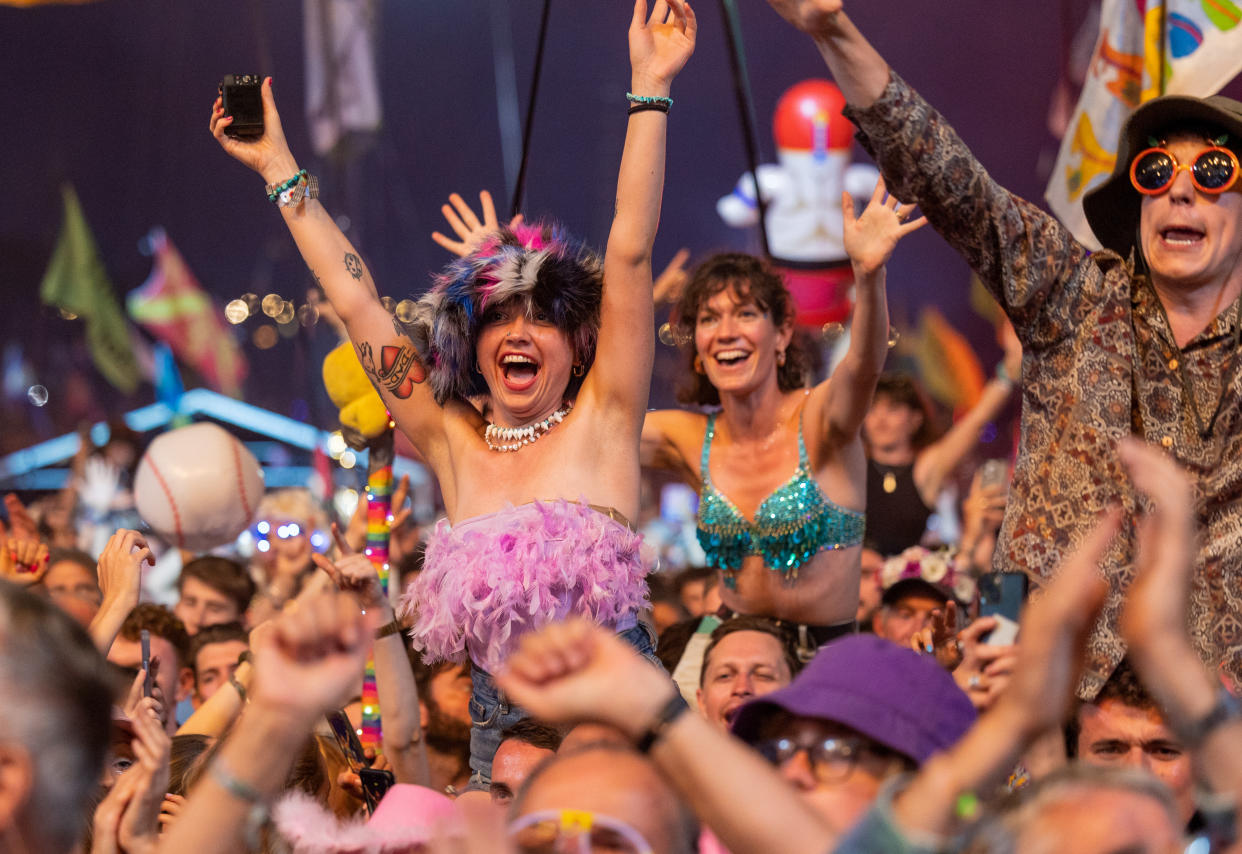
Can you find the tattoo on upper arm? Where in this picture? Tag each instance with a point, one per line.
(353, 264)
(398, 370)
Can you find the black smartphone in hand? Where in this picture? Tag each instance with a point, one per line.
(147, 681)
(375, 783)
(243, 100)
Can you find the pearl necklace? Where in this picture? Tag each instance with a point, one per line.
(513, 438)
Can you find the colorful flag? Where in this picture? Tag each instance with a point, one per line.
(173, 306)
(1200, 52)
(76, 283)
(947, 364)
(342, 92)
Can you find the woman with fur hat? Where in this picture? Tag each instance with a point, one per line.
(539, 483)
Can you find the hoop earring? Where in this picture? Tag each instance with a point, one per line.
(579, 369)
(780, 358)
(477, 369)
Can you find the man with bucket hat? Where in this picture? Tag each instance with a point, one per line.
(1140, 337)
(863, 711)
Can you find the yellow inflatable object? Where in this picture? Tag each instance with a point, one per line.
(361, 407)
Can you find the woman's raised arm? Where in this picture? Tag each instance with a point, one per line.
(386, 353)
(870, 239)
(660, 45)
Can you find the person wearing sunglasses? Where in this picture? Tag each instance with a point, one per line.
(1139, 337)
(863, 711)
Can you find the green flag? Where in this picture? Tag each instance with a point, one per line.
(76, 282)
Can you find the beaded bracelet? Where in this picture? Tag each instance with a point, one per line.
(642, 108)
(649, 99)
(308, 189)
(274, 190)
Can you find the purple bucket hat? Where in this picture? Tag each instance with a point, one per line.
(893, 696)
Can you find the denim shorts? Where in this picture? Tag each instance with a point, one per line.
(491, 713)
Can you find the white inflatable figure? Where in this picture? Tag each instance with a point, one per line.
(803, 193)
(198, 487)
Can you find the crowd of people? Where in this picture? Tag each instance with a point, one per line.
(833, 678)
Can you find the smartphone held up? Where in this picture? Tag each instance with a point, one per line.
(242, 98)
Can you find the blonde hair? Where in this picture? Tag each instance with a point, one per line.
(294, 504)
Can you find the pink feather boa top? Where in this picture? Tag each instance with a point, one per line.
(488, 580)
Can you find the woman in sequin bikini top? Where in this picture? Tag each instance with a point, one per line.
(780, 468)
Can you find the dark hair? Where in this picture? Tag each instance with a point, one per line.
(902, 389)
(535, 733)
(693, 574)
(662, 587)
(753, 624)
(411, 563)
(748, 278)
(671, 645)
(81, 558)
(162, 623)
(226, 577)
(219, 633)
(57, 700)
(1124, 686)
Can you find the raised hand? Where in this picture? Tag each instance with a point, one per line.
(311, 659)
(470, 230)
(263, 154)
(23, 561)
(120, 565)
(985, 670)
(940, 637)
(354, 574)
(670, 284)
(1155, 610)
(139, 825)
(871, 237)
(660, 44)
(571, 672)
(809, 16)
(21, 525)
(100, 483)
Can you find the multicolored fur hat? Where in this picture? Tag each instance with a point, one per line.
(538, 263)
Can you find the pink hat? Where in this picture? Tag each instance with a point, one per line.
(406, 820)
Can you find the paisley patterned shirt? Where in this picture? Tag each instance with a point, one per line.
(1099, 363)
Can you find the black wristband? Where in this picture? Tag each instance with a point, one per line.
(390, 628)
(642, 108)
(671, 711)
(1225, 709)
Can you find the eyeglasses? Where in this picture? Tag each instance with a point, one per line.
(1214, 170)
(832, 759)
(282, 531)
(575, 832)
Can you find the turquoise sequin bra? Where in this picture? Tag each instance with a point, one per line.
(793, 524)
